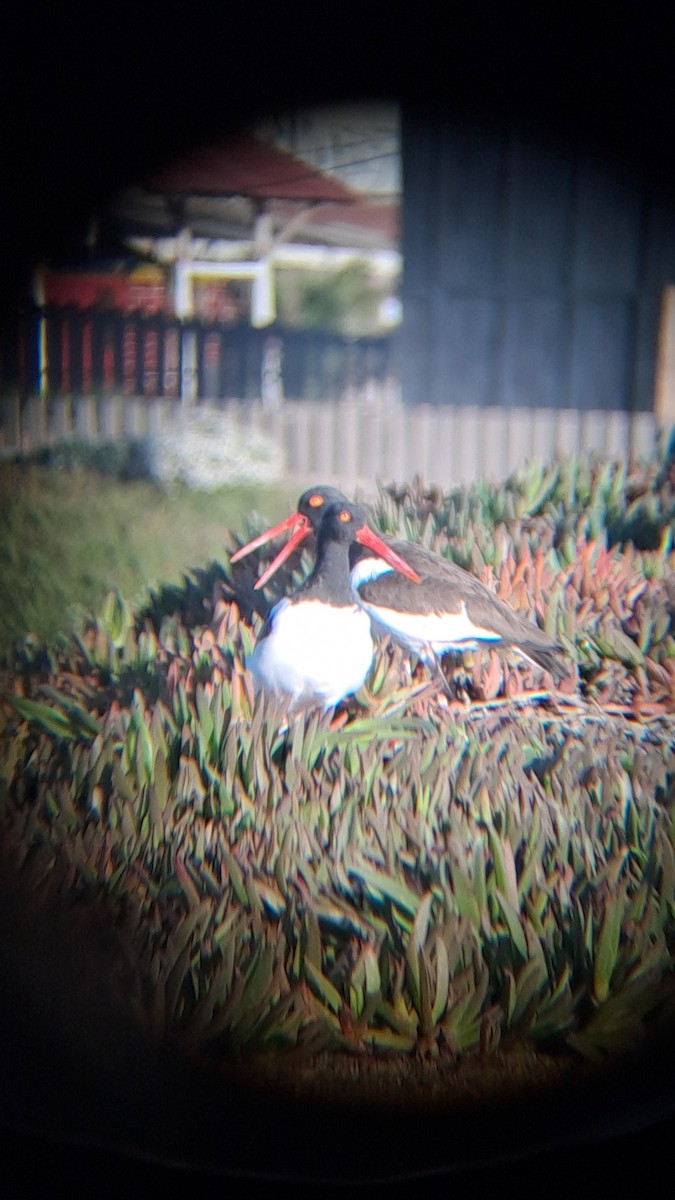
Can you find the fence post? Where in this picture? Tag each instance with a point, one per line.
(519, 438)
(160, 412)
(593, 432)
(296, 440)
(494, 442)
(347, 445)
(324, 428)
(445, 455)
(34, 422)
(394, 444)
(61, 418)
(418, 456)
(371, 463)
(567, 433)
(642, 436)
(111, 417)
(618, 434)
(544, 434)
(134, 417)
(84, 418)
(468, 423)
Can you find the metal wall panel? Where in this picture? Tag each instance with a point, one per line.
(533, 275)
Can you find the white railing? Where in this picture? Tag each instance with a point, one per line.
(355, 441)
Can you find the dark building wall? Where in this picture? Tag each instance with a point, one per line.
(533, 272)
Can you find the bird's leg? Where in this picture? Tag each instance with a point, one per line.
(439, 675)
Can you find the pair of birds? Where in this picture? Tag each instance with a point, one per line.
(316, 645)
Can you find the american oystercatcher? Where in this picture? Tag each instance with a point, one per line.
(449, 610)
(316, 645)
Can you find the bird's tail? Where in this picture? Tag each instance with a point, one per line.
(550, 658)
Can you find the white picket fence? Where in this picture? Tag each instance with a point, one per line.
(356, 441)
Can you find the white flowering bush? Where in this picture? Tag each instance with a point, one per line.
(206, 448)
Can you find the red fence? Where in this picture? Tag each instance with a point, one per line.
(107, 376)
(69, 351)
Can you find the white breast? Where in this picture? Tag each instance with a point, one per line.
(314, 651)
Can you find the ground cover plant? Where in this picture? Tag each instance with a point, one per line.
(405, 875)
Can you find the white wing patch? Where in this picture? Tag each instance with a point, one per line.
(438, 632)
(365, 570)
(314, 651)
(418, 632)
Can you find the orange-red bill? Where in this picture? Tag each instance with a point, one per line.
(295, 520)
(369, 539)
(303, 528)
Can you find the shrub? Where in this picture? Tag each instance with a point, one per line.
(205, 448)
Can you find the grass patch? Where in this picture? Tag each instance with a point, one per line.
(69, 536)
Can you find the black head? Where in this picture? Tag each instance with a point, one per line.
(343, 524)
(303, 522)
(313, 503)
(340, 521)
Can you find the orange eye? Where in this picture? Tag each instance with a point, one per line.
(315, 501)
(345, 516)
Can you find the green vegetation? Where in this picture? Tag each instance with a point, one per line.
(345, 301)
(404, 874)
(68, 536)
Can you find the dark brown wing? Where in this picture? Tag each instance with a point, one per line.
(444, 588)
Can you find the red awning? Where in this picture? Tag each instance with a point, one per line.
(246, 166)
